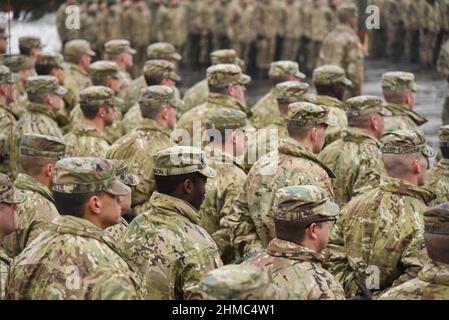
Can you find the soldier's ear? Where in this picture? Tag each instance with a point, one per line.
(416, 167)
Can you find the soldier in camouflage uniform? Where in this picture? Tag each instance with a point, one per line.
(173, 25)
(78, 56)
(226, 90)
(356, 159)
(65, 34)
(158, 106)
(395, 27)
(155, 72)
(265, 111)
(89, 25)
(342, 47)
(378, 37)
(197, 94)
(219, 30)
(430, 26)
(155, 51)
(439, 175)
(239, 282)
(294, 163)
(120, 51)
(410, 18)
(88, 138)
(383, 227)
(399, 92)
(166, 244)
(331, 84)
(74, 258)
(30, 46)
(227, 143)
(9, 198)
(303, 218)
(7, 119)
(432, 282)
(443, 68)
(38, 155)
(292, 17)
(141, 28)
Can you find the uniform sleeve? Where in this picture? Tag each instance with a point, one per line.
(115, 287)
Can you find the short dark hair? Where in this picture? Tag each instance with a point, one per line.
(293, 231)
(168, 184)
(25, 50)
(90, 112)
(72, 204)
(218, 88)
(44, 69)
(296, 130)
(445, 152)
(153, 80)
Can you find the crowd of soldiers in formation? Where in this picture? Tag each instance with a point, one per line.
(93, 204)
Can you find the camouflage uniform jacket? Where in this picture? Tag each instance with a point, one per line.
(342, 47)
(242, 27)
(401, 118)
(439, 182)
(221, 194)
(299, 269)
(76, 78)
(138, 147)
(130, 95)
(86, 141)
(203, 112)
(432, 283)
(265, 111)
(169, 249)
(173, 25)
(5, 261)
(7, 123)
(74, 260)
(33, 216)
(383, 228)
(293, 164)
(117, 231)
(357, 162)
(196, 95)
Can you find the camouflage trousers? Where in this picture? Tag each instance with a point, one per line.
(445, 114)
(290, 49)
(266, 49)
(219, 41)
(377, 39)
(312, 52)
(139, 60)
(427, 43)
(205, 46)
(395, 41)
(243, 50)
(411, 45)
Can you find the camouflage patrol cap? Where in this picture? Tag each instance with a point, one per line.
(100, 71)
(78, 47)
(226, 56)
(364, 105)
(347, 10)
(122, 172)
(52, 59)
(405, 142)
(399, 81)
(179, 160)
(41, 85)
(285, 68)
(443, 135)
(329, 74)
(306, 113)
(240, 282)
(87, 175)
(162, 50)
(227, 118)
(159, 67)
(38, 145)
(30, 42)
(8, 194)
(156, 96)
(222, 74)
(95, 96)
(291, 91)
(118, 46)
(6, 76)
(436, 219)
(17, 62)
(306, 202)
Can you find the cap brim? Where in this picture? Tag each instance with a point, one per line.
(61, 91)
(130, 179)
(177, 103)
(91, 53)
(131, 51)
(415, 87)
(428, 152)
(300, 75)
(330, 122)
(347, 82)
(15, 197)
(208, 172)
(174, 76)
(244, 79)
(118, 188)
(176, 56)
(240, 63)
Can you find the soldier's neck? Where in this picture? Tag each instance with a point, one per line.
(3, 101)
(97, 123)
(306, 143)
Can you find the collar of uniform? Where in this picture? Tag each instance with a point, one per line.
(163, 203)
(435, 272)
(150, 124)
(84, 129)
(225, 101)
(329, 101)
(443, 164)
(7, 109)
(4, 256)
(398, 110)
(26, 182)
(343, 27)
(293, 251)
(76, 68)
(292, 147)
(358, 135)
(41, 108)
(395, 185)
